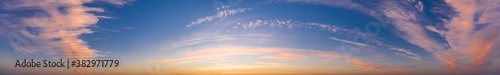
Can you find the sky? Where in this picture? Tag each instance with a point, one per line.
(257, 37)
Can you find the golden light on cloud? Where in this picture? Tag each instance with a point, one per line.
(227, 60)
(375, 67)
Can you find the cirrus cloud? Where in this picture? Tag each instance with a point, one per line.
(52, 27)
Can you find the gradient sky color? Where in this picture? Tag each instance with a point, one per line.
(258, 37)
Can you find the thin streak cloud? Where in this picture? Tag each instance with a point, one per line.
(350, 42)
(285, 56)
(219, 14)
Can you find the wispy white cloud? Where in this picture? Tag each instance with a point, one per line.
(434, 29)
(291, 24)
(350, 42)
(409, 56)
(336, 3)
(105, 17)
(219, 14)
(116, 2)
(407, 53)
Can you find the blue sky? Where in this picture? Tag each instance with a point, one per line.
(256, 37)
